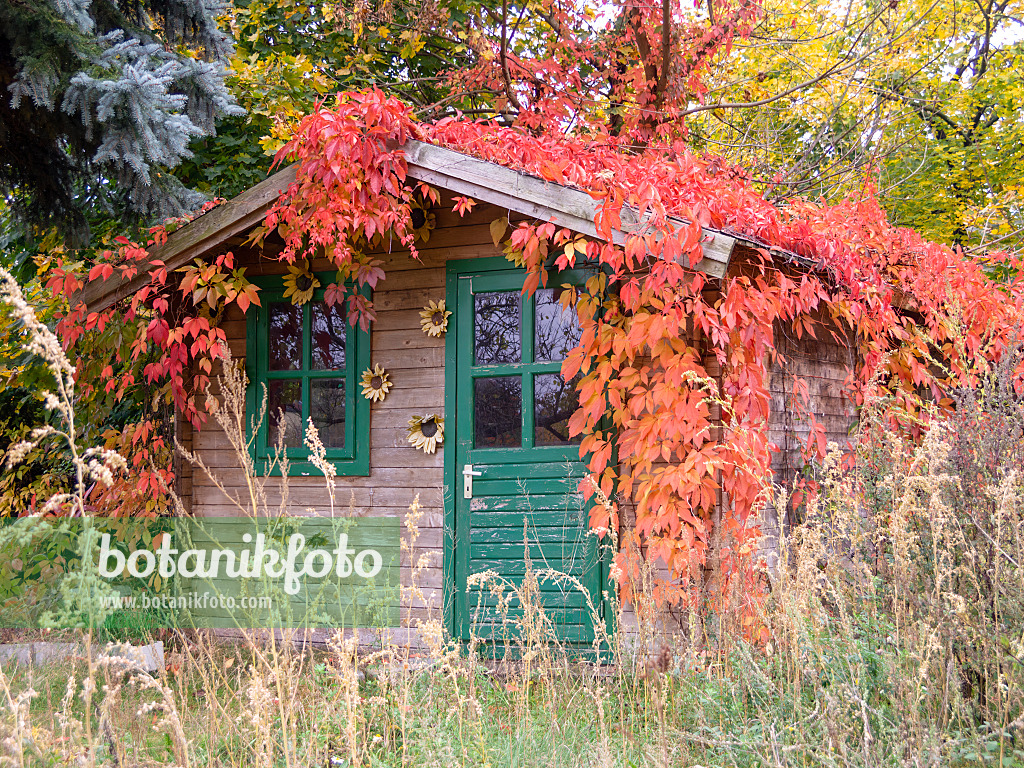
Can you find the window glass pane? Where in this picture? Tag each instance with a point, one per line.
(554, 401)
(496, 337)
(328, 327)
(498, 412)
(284, 413)
(284, 334)
(327, 409)
(556, 330)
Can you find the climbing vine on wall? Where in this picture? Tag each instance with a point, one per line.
(674, 398)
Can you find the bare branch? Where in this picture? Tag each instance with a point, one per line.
(666, 51)
(509, 91)
(843, 64)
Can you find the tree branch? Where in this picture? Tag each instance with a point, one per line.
(643, 45)
(767, 99)
(666, 52)
(840, 65)
(509, 92)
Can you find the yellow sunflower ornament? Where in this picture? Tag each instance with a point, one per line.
(300, 283)
(376, 383)
(434, 318)
(426, 432)
(422, 220)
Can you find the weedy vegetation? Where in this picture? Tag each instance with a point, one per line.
(894, 636)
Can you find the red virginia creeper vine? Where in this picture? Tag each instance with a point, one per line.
(674, 401)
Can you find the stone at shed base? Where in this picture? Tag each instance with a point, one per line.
(150, 658)
(16, 653)
(43, 653)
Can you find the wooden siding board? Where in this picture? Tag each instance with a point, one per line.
(398, 472)
(824, 364)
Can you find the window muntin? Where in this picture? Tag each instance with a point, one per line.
(308, 358)
(520, 400)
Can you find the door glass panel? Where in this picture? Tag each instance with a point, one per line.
(284, 413)
(496, 337)
(328, 328)
(285, 332)
(556, 329)
(498, 412)
(327, 409)
(554, 401)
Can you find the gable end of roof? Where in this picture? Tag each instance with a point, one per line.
(456, 172)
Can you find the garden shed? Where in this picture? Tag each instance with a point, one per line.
(501, 470)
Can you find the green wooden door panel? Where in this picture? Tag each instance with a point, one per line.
(559, 470)
(498, 632)
(485, 487)
(566, 550)
(482, 535)
(550, 591)
(558, 598)
(495, 615)
(507, 406)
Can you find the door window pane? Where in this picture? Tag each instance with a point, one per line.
(328, 327)
(327, 409)
(498, 412)
(554, 401)
(284, 331)
(284, 413)
(496, 330)
(556, 330)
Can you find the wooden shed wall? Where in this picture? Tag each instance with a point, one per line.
(398, 472)
(823, 361)
(824, 364)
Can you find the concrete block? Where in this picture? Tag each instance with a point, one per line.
(45, 653)
(149, 657)
(16, 653)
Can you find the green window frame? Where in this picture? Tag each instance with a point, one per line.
(354, 458)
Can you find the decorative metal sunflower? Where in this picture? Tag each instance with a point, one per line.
(422, 219)
(300, 283)
(434, 318)
(426, 432)
(376, 383)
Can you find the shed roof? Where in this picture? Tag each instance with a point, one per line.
(454, 171)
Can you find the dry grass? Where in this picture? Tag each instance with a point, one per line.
(896, 629)
(896, 640)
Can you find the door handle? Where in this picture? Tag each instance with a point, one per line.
(468, 473)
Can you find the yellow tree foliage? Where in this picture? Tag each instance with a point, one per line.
(927, 94)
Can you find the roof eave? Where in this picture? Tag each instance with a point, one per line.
(454, 171)
(564, 206)
(238, 215)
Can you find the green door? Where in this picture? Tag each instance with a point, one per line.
(514, 472)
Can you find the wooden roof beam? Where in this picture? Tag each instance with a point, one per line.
(564, 206)
(454, 171)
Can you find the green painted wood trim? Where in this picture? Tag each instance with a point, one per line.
(456, 354)
(354, 459)
(452, 480)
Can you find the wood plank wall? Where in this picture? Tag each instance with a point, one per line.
(415, 361)
(398, 472)
(824, 364)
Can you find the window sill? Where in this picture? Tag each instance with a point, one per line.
(298, 468)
